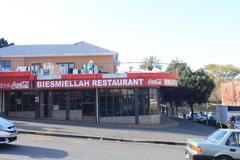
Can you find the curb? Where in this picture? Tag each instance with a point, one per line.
(99, 138)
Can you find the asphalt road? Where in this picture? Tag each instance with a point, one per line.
(42, 147)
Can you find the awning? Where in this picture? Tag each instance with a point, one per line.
(120, 80)
(15, 80)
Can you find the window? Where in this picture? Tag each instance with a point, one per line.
(5, 65)
(36, 68)
(154, 104)
(233, 140)
(216, 136)
(116, 102)
(75, 99)
(21, 100)
(59, 100)
(143, 99)
(66, 68)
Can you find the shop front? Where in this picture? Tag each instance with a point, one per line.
(131, 98)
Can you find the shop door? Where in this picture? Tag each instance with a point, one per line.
(89, 105)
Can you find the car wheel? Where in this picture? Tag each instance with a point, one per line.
(224, 158)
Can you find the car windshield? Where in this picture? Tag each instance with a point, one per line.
(216, 136)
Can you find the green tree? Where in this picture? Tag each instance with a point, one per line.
(176, 96)
(198, 87)
(173, 96)
(225, 72)
(4, 43)
(194, 87)
(151, 62)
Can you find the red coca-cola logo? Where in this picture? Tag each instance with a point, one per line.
(155, 82)
(20, 85)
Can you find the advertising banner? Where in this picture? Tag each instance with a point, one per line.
(14, 84)
(105, 83)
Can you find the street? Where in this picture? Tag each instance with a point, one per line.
(48, 147)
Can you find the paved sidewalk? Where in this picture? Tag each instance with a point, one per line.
(171, 131)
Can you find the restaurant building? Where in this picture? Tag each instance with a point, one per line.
(77, 82)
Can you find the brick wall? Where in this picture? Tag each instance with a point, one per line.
(230, 93)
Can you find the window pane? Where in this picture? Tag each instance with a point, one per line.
(5, 65)
(232, 140)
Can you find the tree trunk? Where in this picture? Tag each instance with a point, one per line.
(177, 110)
(171, 106)
(192, 111)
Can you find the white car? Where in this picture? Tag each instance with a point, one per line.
(8, 131)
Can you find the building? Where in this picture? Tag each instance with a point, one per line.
(230, 93)
(77, 82)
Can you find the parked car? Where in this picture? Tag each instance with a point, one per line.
(201, 117)
(223, 144)
(189, 116)
(8, 131)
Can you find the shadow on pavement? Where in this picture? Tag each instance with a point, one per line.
(32, 152)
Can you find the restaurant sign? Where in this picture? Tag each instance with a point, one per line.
(103, 83)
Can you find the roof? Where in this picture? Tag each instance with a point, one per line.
(81, 48)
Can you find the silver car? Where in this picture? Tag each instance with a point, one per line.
(8, 131)
(223, 144)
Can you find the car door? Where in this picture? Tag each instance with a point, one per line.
(233, 145)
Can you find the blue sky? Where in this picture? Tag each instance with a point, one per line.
(198, 32)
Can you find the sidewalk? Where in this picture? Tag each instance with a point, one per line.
(171, 131)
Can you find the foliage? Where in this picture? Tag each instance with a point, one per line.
(4, 43)
(151, 62)
(179, 67)
(199, 86)
(225, 72)
(194, 87)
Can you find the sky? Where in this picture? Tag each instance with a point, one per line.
(198, 32)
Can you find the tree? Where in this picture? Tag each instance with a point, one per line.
(176, 96)
(151, 62)
(198, 87)
(4, 43)
(173, 96)
(194, 87)
(225, 72)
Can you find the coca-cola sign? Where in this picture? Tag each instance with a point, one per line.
(20, 85)
(155, 82)
(15, 85)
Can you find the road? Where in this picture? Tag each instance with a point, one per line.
(48, 147)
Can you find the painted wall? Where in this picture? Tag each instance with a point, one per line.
(105, 62)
